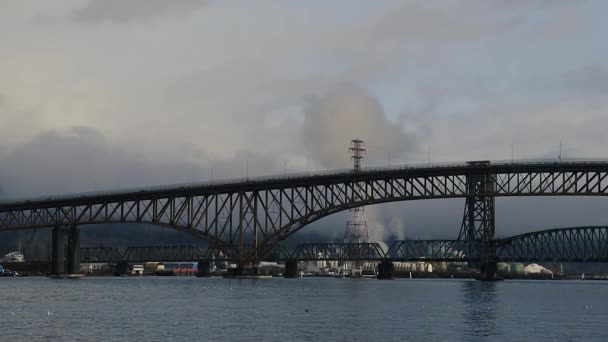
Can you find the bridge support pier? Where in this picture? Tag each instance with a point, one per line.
(73, 257)
(487, 271)
(65, 240)
(58, 251)
(122, 268)
(203, 269)
(291, 269)
(386, 270)
(478, 224)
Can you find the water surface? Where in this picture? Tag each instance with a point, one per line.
(311, 309)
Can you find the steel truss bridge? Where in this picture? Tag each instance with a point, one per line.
(145, 254)
(573, 244)
(247, 219)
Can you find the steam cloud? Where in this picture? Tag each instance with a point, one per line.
(345, 112)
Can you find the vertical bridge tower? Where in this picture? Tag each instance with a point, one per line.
(478, 223)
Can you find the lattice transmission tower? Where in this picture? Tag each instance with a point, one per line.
(356, 226)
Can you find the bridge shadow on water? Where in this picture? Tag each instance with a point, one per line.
(479, 314)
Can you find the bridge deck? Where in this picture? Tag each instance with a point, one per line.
(301, 179)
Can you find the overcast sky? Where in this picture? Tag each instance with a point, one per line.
(105, 94)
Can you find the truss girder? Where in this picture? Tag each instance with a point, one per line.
(100, 254)
(435, 250)
(172, 253)
(580, 244)
(246, 220)
(338, 252)
(146, 254)
(576, 244)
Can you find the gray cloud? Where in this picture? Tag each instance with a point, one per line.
(81, 159)
(585, 83)
(589, 78)
(134, 10)
(459, 21)
(12, 122)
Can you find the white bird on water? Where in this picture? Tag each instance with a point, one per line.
(49, 313)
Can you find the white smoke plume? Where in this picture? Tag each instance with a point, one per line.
(345, 112)
(348, 111)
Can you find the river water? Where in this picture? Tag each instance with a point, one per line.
(310, 309)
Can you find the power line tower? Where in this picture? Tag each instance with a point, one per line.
(356, 226)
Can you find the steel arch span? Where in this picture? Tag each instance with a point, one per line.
(247, 218)
(571, 244)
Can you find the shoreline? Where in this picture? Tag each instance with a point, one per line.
(399, 276)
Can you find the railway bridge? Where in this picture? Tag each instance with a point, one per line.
(247, 218)
(571, 244)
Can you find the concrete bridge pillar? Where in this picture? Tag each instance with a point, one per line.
(58, 251)
(386, 270)
(203, 269)
(487, 266)
(122, 268)
(291, 269)
(73, 257)
(487, 271)
(65, 240)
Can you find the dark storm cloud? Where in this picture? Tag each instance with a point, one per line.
(134, 10)
(82, 159)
